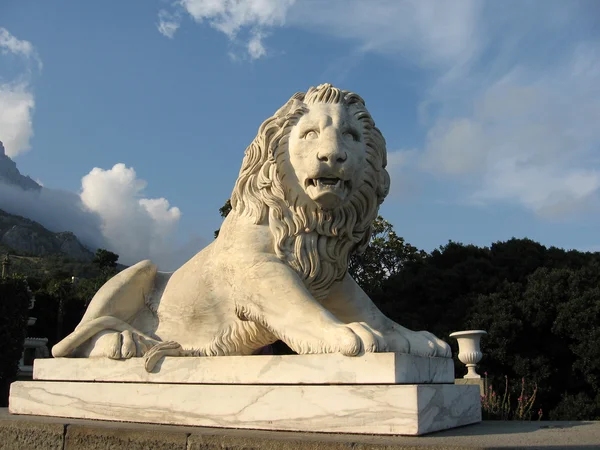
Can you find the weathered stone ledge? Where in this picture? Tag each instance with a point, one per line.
(47, 433)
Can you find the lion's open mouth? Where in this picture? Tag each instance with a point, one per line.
(327, 183)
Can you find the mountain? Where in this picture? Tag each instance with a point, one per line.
(9, 173)
(34, 250)
(25, 237)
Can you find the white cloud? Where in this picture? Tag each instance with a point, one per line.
(56, 210)
(430, 33)
(405, 183)
(455, 147)
(10, 44)
(137, 228)
(531, 137)
(512, 109)
(16, 97)
(256, 48)
(110, 212)
(231, 17)
(168, 23)
(400, 159)
(16, 109)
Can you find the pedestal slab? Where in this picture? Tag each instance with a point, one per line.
(362, 409)
(371, 368)
(380, 393)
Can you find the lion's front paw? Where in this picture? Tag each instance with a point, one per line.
(424, 343)
(344, 340)
(356, 338)
(372, 340)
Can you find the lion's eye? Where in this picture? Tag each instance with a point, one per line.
(351, 135)
(311, 134)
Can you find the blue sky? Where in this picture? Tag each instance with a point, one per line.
(138, 112)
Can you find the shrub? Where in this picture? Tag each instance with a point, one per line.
(14, 306)
(496, 407)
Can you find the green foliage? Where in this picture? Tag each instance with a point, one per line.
(496, 407)
(61, 300)
(386, 254)
(14, 304)
(540, 307)
(224, 212)
(50, 266)
(61, 303)
(225, 209)
(106, 261)
(577, 406)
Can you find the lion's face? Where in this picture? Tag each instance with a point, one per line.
(315, 175)
(326, 155)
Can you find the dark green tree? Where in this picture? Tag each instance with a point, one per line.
(540, 306)
(224, 212)
(386, 254)
(14, 307)
(106, 262)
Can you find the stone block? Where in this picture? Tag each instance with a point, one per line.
(363, 409)
(474, 381)
(371, 368)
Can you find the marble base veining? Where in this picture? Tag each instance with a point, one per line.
(377, 393)
(363, 409)
(371, 368)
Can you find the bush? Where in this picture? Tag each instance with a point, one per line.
(14, 307)
(540, 307)
(496, 407)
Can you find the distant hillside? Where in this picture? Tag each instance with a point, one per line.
(9, 173)
(28, 238)
(37, 251)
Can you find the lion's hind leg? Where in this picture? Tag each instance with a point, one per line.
(118, 338)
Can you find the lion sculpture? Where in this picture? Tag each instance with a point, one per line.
(308, 191)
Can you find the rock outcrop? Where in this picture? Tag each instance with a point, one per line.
(29, 238)
(9, 173)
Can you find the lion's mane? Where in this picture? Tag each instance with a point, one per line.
(315, 243)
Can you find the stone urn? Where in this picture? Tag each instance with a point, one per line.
(469, 350)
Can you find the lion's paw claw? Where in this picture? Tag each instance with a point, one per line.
(159, 351)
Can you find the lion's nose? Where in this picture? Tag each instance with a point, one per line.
(332, 155)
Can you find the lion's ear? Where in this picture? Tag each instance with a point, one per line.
(292, 104)
(299, 96)
(384, 185)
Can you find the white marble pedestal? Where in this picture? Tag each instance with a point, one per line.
(352, 395)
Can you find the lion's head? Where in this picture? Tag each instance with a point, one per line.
(316, 174)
